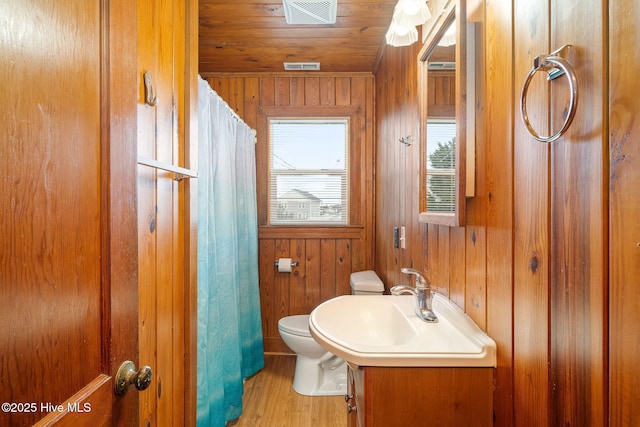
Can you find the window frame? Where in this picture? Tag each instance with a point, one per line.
(302, 220)
(356, 176)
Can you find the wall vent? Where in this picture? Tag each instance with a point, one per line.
(442, 65)
(310, 11)
(302, 66)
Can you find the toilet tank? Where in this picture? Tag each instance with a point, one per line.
(366, 283)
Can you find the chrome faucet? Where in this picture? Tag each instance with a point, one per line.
(422, 292)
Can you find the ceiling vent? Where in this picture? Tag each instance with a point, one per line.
(302, 66)
(310, 11)
(442, 65)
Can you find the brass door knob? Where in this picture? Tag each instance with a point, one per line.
(127, 376)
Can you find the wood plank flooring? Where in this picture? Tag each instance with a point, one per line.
(270, 401)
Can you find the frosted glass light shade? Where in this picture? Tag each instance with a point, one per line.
(410, 13)
(398, 35)
(449, 36)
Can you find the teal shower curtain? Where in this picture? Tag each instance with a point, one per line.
(230, 346)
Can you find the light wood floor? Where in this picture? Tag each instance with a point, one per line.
(270, 401)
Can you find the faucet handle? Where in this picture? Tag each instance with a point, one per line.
(407, 270)
(421, 280)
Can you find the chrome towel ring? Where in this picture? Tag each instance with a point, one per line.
(551, 62)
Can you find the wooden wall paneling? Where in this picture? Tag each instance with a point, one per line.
(343, 266)
(166, 314)
(190, 129)
(162, 40)
(282, 91)
(313, 276)
(328, 271)
(624, 242)
(362, 254)
(147, 311)
(327, 91)
(147, 208)
(343, 90)
(267, 251)
(434, 269)
(415, 233)
(220, 85)
(297, 282)
(296, 85)
(369, 178)
(442, 282)
(169, 316)
(578, 270)
(381, 238)
(262, 174)
(163, 373)
(497, 127)
(251, 102)
(311, 91)
(457, 266)
(267, 91)
(178, 306)
(357, 151)
(235, 96)
(282, 284)
(476, 272)
(531, 225)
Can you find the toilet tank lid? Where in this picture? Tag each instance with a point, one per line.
(367, 281)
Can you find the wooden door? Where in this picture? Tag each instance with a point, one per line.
(68, 285)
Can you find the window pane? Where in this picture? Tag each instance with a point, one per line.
(441, 167)
(308, 174)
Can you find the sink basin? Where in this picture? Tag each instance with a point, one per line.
(383, 330)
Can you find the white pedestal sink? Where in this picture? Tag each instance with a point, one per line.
(383, 330)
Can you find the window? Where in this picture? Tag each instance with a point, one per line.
(308, 172)
(441, 165)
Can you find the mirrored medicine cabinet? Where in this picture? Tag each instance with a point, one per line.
(447, 99)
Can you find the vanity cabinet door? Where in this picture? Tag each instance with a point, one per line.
(448, 397)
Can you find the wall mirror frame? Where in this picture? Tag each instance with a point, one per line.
(447, 188)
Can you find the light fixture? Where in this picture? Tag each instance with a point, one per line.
(406, 16)
(449, 36)
(410, 13)
(398, 35)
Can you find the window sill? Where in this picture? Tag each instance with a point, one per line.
(310, 232)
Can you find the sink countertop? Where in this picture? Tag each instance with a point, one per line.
(383, 330)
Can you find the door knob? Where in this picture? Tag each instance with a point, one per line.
(127, 376)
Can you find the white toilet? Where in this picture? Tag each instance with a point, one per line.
(318, 372)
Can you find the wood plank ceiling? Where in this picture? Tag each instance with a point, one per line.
(247, 36)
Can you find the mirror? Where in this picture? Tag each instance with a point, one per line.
(445, 93)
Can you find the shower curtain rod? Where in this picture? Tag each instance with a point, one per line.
(231, 110)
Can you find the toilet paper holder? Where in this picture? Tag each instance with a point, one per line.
(293, 263)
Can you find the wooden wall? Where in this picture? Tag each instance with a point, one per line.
(549, 255)
(624, 208)
(326, 255)
(167, 222)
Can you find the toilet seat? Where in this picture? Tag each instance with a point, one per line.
(295, 325)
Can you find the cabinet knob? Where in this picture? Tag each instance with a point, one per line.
(351, 408)
(348, 397)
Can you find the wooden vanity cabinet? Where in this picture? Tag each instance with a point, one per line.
(395, 396)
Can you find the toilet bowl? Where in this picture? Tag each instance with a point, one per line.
(318, 372)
